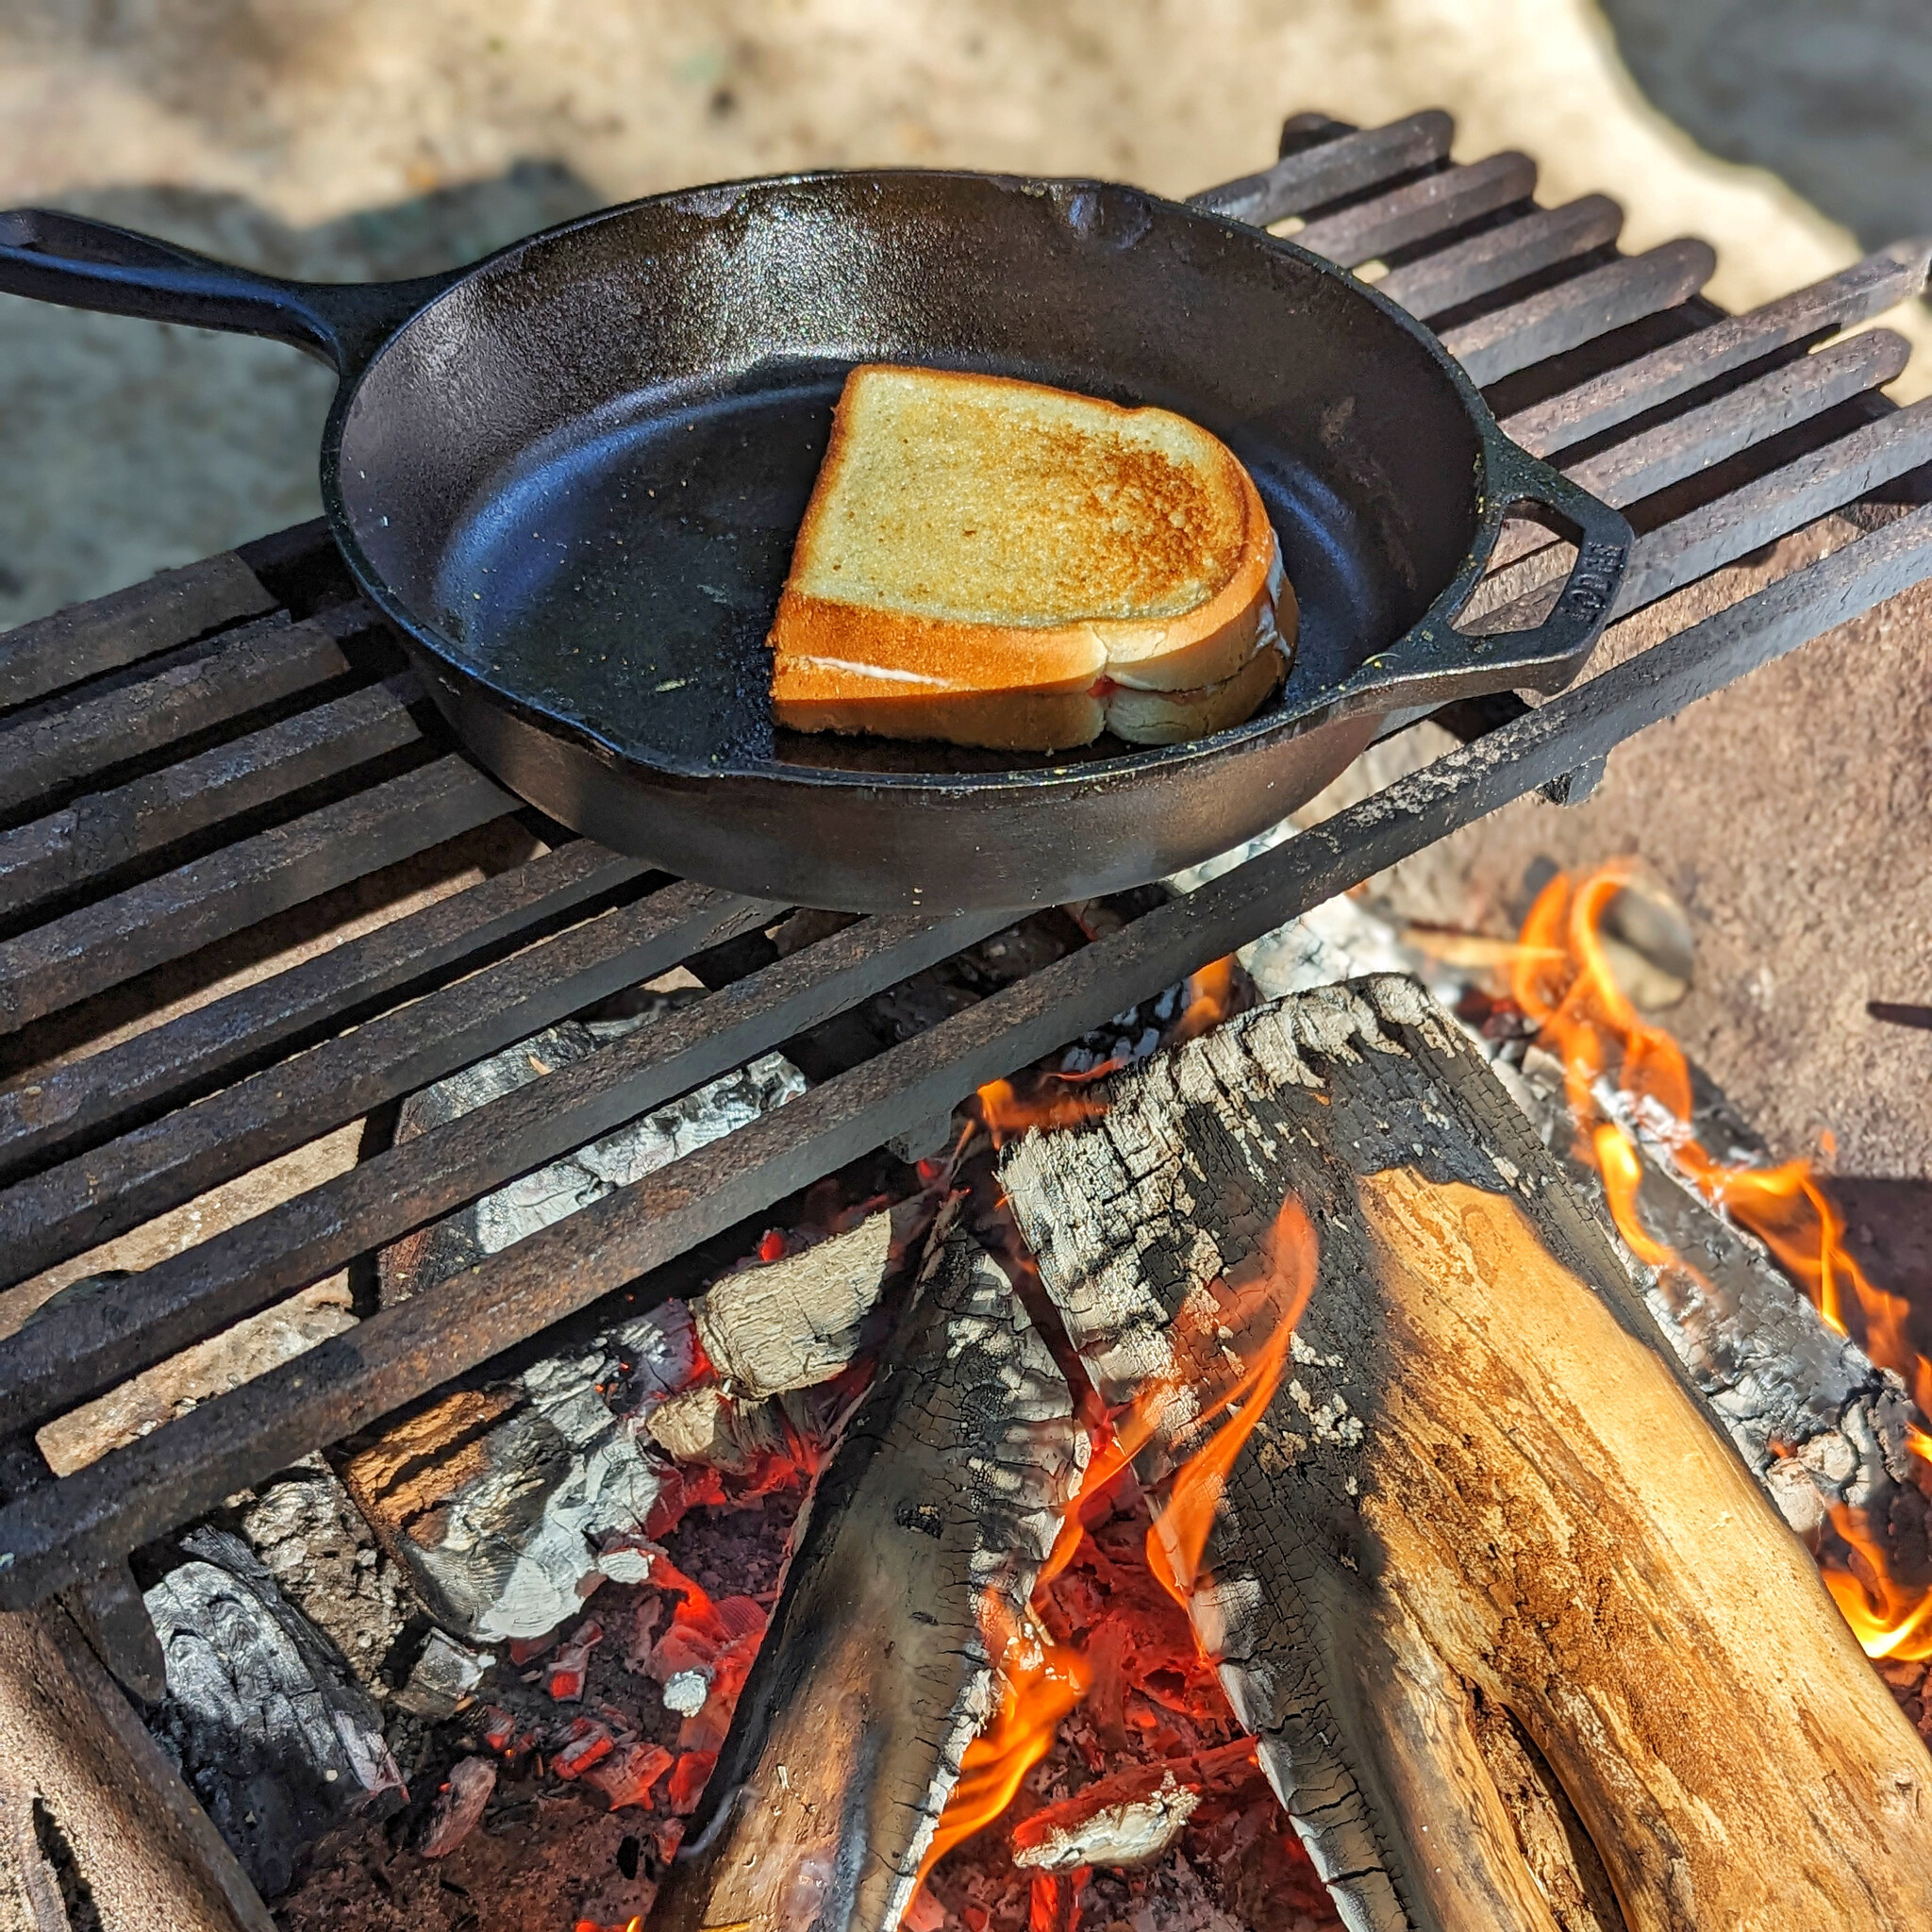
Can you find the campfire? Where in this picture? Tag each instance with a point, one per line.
(1204, 1408)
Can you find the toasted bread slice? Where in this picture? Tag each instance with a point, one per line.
(983, 561)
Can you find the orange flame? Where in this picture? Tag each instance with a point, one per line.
(1210, 993)
(1006, 1108)
(1040, 1681)
(1049, 1102)
(1560, 976)
(1177, 1536)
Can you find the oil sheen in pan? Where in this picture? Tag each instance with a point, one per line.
(624, 577)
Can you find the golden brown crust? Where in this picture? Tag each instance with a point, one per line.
(999, 720)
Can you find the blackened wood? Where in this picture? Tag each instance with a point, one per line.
(181, 911)
(69, 1208)
(1854, 295)
(47, 654)
(1325, 173)
(1450, 276)
(1751, 414)
(54, 747)
(181, 1058)
(131, 1494)
(940, 1504)
(1432, 205)
(1580, 309)
(103, 830)
(73, 1351)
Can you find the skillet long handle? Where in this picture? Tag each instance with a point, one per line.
(54, 256)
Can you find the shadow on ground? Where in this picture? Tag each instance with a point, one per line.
(132, 446)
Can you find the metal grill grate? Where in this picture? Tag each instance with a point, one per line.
(185, 760)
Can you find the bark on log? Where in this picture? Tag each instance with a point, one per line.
(1483, 1477)
(949, 1484)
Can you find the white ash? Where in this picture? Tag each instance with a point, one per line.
(576, 1180)
(686, 1692)
(1135, 1832)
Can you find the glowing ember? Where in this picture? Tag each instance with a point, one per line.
(1560, 977)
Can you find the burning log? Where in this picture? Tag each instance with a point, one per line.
(1481, 1491)
(922, 1538)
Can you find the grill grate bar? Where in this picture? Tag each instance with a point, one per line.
(1331, 170)
(65, 1209)
(1856, 295)
(1751, 414)
(1773, 507)
(1498, 256)
(52, 1536)
(114, 940)
(1579, 311)
(1433, 205)
(103, 831)
(80, 1349)
(47, 752)
(54, 653)
(188, 1055)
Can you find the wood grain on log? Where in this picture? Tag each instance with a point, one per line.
(948, 1488)
(1484, 1478)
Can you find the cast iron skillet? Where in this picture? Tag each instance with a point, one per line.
(571, 475)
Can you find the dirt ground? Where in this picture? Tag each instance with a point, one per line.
(306, 137)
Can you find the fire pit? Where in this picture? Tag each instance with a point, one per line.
(516, 1410)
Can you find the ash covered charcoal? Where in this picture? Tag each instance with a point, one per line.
(500, 1218)
(444, 1677)
(262, 1713)
(458, 1806)
(496, 1501)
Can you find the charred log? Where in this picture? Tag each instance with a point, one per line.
(1482, 1477)
(269, 1726)
(946, 1490)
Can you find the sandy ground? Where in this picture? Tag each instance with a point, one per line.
(304, 136)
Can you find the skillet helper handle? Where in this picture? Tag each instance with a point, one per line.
(1555, 649)
(54, 256)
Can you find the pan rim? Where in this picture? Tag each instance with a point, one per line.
(1323, 705)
